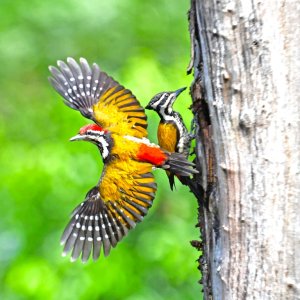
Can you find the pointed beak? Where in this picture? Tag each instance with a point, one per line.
(77, 137)
(148, 107)
(178, 92)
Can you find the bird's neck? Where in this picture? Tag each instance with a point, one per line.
(104, 144)
(166, 113)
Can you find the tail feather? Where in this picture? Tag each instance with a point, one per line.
(171, 178)
(179, 165)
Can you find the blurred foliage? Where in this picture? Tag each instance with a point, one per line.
(145, 46)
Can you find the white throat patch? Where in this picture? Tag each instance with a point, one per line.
(105, 146)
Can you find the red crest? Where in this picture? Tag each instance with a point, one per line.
(94, 127)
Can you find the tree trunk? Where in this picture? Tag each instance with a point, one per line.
(245, 57)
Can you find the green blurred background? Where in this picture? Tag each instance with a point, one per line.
(145, 46)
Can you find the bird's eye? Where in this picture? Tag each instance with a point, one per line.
(90, 132)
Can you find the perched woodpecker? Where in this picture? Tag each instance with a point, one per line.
(172, 133)
(126, 187)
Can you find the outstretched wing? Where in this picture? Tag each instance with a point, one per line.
(121, 200)
(99, 97)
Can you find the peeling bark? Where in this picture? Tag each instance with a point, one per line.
(245, 58)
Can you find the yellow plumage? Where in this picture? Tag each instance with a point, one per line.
(121, 113)
(167, 135)
(127, 179)
(126, 188)
(124, 148)
(99, 97)
(124, 176)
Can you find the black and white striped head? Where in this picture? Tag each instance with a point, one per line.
(162, 102)
(96, 135)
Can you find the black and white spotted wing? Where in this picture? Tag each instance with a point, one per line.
(99, 97)
(101, 222)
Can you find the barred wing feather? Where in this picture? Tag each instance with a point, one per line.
(99, 97)
(110, 210)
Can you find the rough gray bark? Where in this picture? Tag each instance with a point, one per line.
(245, 58)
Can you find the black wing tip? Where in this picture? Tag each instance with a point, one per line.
(72, 80)
(61, 63)
(51, 68)
(71, 60)
(83, 60)
(96, 225)
(87, 231)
